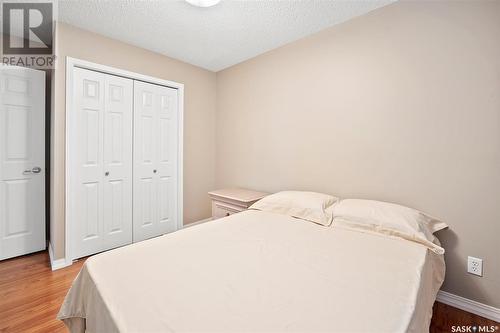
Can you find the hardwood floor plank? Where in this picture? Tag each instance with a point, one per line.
(446, 316)
(31, 295)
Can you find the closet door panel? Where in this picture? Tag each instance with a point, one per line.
(145, 162)
(167, 158)
(88, 197)
(166, 210)
(101, 198)
(155, 160)
(118, 161)
(146, 195)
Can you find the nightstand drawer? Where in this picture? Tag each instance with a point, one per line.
(220, 209)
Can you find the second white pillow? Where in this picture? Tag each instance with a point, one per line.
(389, 219)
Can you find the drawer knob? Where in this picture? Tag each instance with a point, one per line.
(227, 214)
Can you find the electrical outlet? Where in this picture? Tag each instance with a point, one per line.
(475, 266)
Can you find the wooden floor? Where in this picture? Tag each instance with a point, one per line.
(446, 316)
(31, 294)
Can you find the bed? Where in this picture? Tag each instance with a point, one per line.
(258, 271)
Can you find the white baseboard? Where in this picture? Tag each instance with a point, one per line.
(197, 222)
(469, 305)
(56, 264)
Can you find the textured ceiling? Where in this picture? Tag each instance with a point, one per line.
(213, 38)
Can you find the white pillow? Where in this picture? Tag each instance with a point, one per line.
(390, 219)
(310, 206)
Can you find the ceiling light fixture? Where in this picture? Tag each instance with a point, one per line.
(203, 3)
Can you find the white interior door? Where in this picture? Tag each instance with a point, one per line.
(101, 200)
(22, 161)
(155, 160)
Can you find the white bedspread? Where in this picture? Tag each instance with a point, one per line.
(258, 272)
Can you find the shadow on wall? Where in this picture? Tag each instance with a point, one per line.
(449, 240)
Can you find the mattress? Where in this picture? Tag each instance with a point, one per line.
(258, 272)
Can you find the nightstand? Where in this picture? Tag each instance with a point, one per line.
(228, 201)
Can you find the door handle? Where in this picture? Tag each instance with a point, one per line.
(34, 170)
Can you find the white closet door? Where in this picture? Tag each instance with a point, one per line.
(22, 161)
(118, 116)
(103, 171)
(155, 160)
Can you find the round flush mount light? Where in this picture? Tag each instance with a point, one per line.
(203, 3)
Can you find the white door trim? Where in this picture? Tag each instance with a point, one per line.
(71, 63)
(59, 263)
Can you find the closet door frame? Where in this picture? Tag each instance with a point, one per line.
(70, 158)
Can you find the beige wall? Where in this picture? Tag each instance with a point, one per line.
(199, 117)
(402, 105)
